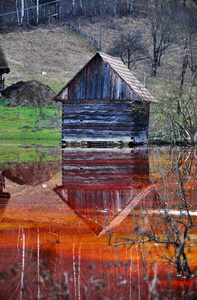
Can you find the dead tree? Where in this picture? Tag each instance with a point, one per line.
(169, 223)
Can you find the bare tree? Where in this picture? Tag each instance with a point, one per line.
(186, 19)
(37, 12)
(176, 116)
(115, 8)
(162, 30)
(20, 10)
(129, 48)
(191, 25)
(132, 5)
(169, 223)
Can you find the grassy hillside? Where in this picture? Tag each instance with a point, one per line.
(60, 52)
(56, 50)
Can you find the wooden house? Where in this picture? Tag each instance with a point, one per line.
(105, 102)
(4, 68)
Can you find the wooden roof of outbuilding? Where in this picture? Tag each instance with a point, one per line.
(123, 72)
(121, 69)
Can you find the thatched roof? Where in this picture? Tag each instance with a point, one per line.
(4, 68)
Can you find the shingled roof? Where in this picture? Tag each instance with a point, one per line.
(122, 71)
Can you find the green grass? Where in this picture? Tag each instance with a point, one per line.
(26, 123)
(29, 134)
(16, 152)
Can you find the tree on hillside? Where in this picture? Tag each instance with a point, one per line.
(34, 11)
(129, 6)
(130, 48)
(186, 19)
(176, 115)
(189, 30)
(162, 30)
(20, 11)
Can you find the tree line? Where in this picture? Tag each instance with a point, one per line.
(35, 11)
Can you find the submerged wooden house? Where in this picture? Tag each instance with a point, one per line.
(4, 69)
(105, 102)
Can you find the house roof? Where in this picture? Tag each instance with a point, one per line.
(121, 69)
(123, 72)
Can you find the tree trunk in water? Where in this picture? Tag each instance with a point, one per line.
(73, 12)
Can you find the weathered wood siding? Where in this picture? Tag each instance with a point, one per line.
(99, 81)
(84, 120)
(98, 105)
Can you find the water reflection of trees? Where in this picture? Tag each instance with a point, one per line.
(171, 221)
(32, 276)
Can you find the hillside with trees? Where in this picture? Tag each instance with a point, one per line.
(51, 40)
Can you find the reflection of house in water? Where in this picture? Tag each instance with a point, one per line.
(99, 183)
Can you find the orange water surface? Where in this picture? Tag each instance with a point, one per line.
(57, 219)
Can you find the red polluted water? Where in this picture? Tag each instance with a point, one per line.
(100, 224)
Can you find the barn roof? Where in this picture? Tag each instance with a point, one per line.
(121, 69)
(123, 72)
(4, 68)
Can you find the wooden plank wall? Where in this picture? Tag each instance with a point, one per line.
(84, 120)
